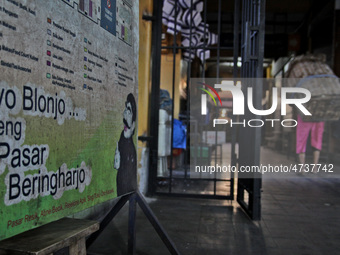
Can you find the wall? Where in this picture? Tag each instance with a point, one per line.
(144, 87)
(66, 71)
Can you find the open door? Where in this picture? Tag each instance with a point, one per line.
(169, 52)
(252, 51)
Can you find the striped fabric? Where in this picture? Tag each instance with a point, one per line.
(185, 17)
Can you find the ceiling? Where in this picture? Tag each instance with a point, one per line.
(307, 20)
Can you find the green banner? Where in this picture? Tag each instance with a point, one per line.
(68, 90)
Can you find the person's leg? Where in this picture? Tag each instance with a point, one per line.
(316, 156)
(316, 135)
(316, 140)
(302, 132)
(302, 158)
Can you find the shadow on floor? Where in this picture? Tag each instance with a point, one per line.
(300, 216)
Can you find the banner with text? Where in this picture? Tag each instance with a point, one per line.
(68, 91)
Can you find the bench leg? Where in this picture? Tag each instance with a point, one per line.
(78, 248)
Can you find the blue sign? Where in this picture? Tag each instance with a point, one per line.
(108, 16)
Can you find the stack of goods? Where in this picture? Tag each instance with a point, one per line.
(312, 73)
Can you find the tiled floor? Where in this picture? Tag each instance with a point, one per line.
(300, 215)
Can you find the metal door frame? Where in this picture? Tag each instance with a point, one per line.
(252, 52)
(252, 66)
(154, 105)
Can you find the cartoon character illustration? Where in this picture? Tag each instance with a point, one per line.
(125, 155)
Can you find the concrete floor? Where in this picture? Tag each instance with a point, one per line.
(300, 215)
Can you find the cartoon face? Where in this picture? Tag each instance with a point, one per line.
(129, 123)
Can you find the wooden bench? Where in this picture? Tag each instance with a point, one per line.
(51, 237)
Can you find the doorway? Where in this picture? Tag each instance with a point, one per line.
(215, 40)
